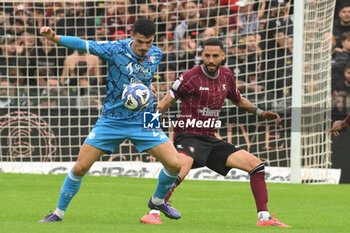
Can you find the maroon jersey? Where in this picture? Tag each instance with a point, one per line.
(202, 98)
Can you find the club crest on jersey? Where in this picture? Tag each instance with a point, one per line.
(151, 59)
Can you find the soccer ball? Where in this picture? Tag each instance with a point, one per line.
(136, 97)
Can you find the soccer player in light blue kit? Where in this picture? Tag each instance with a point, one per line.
(129, 61)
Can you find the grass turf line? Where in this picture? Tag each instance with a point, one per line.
(116, 204)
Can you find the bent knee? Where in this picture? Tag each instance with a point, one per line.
(79, 170)
(257, 161)
(174, 167)
(253, 163)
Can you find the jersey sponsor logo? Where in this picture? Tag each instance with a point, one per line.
(133, 80)
(138, 68)
(209, 112)
(129, 68)
(204, 88)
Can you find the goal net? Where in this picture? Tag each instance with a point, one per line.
(51, 96)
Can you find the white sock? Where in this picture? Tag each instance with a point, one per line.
(157, 201)
(263, 216)
(154, 212)
(59, 213)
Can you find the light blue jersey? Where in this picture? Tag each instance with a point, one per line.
(124, 67)
(118, 123)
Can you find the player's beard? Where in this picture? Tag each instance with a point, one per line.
(210, 70)
(142, 53)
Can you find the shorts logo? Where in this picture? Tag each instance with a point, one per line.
(151, 120)
(179, 147)
(155, 134)
(191, 149)
(91, 135)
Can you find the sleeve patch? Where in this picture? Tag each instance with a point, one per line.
(176, 84)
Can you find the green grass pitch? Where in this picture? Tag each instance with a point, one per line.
(116, 204)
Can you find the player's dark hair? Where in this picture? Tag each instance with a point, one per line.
(145, 27)
(214, 42)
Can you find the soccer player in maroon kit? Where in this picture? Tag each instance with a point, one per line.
(203, 90)
(338, 125)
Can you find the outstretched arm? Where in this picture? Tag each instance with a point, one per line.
(166, 103)
(339, 125)
(50, 34)
(249, 107)
(66, 41)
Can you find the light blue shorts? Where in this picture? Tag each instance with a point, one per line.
(108, 134)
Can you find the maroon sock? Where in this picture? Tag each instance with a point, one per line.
(176, 183)
(259, 189)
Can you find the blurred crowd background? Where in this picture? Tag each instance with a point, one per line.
(258, 39)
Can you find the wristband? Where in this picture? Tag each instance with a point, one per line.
(259, 111)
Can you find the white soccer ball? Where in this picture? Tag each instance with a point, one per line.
(136, 97)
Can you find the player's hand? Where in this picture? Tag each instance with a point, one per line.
(337, 125)
(271, 116)
(48, 33)
(154, 90)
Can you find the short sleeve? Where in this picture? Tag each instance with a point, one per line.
(102, 49)
(180, 87)
(233, 93)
